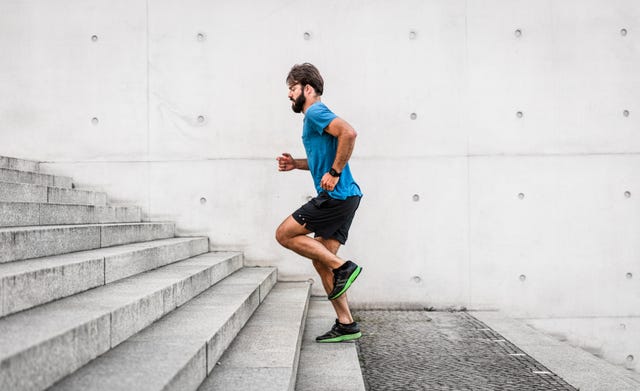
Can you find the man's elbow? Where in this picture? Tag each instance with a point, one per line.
(351, 134)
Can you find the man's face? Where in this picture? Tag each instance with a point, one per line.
(296, 96)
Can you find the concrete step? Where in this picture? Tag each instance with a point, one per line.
(35, 178)
(264, 355)
(40, 346)
(20, 214)
(21, 192)
(26, 284)
(326, 366)
(178, 351)
(34, 242)
(19, 164)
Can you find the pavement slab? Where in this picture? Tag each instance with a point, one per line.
(420, 350)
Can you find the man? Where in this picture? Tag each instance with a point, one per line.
(328, 141)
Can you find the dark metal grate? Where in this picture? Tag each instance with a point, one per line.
(418, 350)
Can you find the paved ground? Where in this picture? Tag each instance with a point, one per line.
(418, 350)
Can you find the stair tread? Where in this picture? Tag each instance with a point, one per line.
(23, 330)
(173, 350)
(58, 226)
(264, 355)
(327, 366)
(18, 177)
(30, 265)
(4, 182)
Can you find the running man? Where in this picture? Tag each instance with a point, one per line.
(328, 141)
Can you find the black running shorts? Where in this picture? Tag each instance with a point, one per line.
(327, 217)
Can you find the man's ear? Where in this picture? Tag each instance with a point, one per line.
(308, 90)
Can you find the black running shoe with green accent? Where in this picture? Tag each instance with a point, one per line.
(343, 277)
(340, 333)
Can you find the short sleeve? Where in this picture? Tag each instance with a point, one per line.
(319, 117)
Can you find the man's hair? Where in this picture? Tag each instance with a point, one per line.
(306, 74)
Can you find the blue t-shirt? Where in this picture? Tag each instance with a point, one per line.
(321, 151)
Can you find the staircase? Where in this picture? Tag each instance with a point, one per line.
(94, 298)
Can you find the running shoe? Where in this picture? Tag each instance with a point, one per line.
(343, 277)
(340, 333)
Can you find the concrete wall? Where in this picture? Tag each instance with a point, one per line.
(498, 142)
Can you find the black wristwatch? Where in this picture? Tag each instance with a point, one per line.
(334, 173)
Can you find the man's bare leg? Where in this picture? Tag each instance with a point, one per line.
(293, 236)
(340, 305)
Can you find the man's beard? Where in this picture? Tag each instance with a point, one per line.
(298, 104)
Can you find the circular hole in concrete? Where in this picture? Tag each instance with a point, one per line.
(416, 279)
(630, 358)
(627, 194)
(307, 35)
(416, 197)
(518, 33)
(94, 120)
(412, 34)
(521, 196)
(413, 116)
(623, 32)
(94, 38)
(523, 277)
(200, 37)
(519, 114)
(625, 113)
(203, 200)
(201, 118)
(629, 276)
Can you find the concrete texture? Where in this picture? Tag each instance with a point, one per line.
(56, 195)
(44, 344)
(29, 283)
(37, 281)
(19, 192)
(33, 242)
(15, 214)
(52, 214)
(328, 366)
(171, 353)
(19, 164)
(581, 369)
(34, 178)
(19, 243)
(116, 234)
(264, 355)
(150, 255)
(18, 214)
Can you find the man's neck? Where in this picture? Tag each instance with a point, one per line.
(310, 101)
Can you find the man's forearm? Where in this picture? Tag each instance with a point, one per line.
(346, 143)
(301, 164)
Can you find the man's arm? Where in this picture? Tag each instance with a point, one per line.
(287, 163)
(346, 136)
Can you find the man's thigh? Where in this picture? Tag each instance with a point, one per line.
(290, 228)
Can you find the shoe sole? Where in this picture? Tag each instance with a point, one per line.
(350, 281)
(342, 338)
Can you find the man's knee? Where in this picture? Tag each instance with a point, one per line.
(282, 236)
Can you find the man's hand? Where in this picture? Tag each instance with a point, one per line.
(286, 162)
(329, 182)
